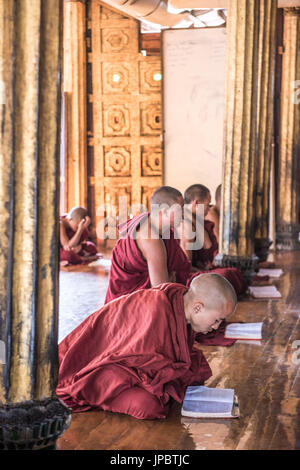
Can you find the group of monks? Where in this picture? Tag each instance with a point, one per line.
(135, 355)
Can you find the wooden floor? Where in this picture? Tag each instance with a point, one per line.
(265, 377)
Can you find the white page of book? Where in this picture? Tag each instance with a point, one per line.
(264, 292)
(243, 330)
(202, 399)
(270, 272)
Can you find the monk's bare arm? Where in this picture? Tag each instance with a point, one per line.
(213, 217)
(154, 251)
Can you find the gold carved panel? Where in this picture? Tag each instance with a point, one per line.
(151, 118)
(126, 113)
(151, 160)
(117, 161)
(150, 77)
(116, 120)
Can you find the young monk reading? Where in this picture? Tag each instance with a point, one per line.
(213, 213)
(135, 355)
(202, 258)
(75, 248)
(148, 254)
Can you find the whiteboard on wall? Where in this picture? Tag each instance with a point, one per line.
(193, 106)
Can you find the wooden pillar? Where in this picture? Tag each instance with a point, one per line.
(288, 174)
(237, 210)
(30, 47)
(265, 124)
(74, 86)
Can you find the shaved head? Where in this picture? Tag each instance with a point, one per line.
(196, 191)
(209, 301)
(216, 288)
(77, 213)
(166, 195)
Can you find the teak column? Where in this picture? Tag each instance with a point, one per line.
(74, 87)
(237, 209)
(288, 173)
(248, 100)
(30, 47)
(265, 125)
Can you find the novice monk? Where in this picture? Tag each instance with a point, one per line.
(213, 213)
(203, 258)
(135, 354)
(148, 254)
(74, 245)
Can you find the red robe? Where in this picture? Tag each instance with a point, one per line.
(129, 269)
(132, 356)
(233, 275)
(87, 246)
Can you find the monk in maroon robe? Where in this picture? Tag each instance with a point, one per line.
(213, 214)
(202, 259)
(75, 248)
(148, 254)
(135, 354)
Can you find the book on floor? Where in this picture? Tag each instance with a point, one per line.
(205, 402)
(270, 272)
(247, 331)
(264, 292)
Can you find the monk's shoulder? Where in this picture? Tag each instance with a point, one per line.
(212, 214)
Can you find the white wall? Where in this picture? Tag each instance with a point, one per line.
(193, 106)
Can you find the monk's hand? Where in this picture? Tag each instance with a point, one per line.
(76, 249)
(172, 276)
(81, 225)
(87, 221)
(208, 266)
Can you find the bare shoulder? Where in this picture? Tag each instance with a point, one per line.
(212, 215)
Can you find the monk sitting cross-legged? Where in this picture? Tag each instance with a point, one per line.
(135, 355)
(75, 248)
(202, 258)
(148, 254)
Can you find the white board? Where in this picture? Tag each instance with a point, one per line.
(193, 106)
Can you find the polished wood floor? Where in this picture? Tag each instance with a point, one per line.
(265, 377)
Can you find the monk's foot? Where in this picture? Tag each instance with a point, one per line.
(64, 263)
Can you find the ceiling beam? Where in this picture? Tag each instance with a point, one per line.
(222, 3)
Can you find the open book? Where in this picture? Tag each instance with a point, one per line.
(270, 272)
(249, 331)
(264, 292)
(205, 402)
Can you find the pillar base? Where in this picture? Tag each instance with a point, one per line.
(247, 265)
(33, 425)
(288, 237)
(261, 248)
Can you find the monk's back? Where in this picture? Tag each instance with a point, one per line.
(129, 269)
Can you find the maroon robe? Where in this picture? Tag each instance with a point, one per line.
(129, 269)
(205, 256)
(132, 356)
(87, 247)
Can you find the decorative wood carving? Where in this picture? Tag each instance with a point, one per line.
(126, 114)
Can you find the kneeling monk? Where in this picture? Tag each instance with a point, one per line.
(75, 248)
(202, 259)
(135, 354)
(148, 254)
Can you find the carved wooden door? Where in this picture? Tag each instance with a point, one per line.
(126, 114)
